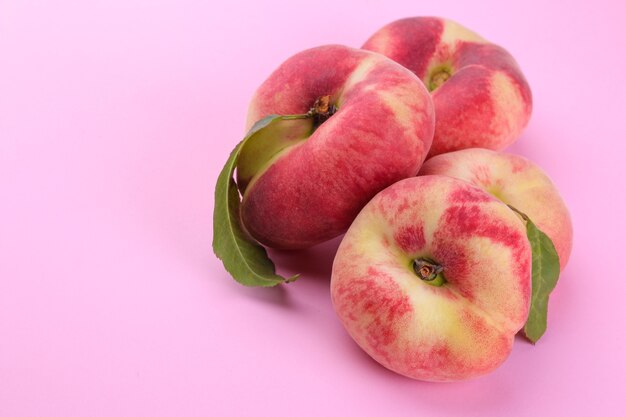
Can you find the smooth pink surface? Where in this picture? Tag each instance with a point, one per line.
(115, 119)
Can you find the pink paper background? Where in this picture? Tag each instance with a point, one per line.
(115, 119)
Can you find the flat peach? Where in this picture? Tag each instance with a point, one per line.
(481, 96)
(516, 181)
(433, 279)
(379, 131)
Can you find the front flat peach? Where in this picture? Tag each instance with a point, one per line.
(456, 324)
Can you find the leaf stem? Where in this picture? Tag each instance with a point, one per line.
(522, 215)
(297, 116)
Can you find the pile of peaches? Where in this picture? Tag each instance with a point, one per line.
(451, 247)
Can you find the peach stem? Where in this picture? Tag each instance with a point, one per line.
(428, 271)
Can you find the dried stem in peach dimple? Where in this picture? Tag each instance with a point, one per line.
(438, 77)
(322, 110)
(429, 271)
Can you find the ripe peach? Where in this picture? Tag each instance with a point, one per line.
(433, 279)
(516, 181)
(481, 96)
(378, 130)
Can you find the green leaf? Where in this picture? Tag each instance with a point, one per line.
(545, 274)
(256, 153)
(243, 258)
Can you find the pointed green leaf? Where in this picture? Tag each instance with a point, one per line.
(256, 154)
(243, 258)
(545, 274)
